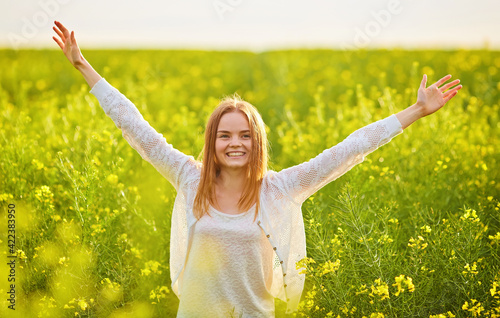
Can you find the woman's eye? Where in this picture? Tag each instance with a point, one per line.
(223, 136)
(246, 136)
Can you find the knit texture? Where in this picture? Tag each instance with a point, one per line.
(281, 197)
(229, 268)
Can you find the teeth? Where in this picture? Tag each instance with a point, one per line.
(235, 154)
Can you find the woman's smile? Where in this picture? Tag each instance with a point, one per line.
(236, 154)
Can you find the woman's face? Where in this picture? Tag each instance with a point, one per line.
(233, 144)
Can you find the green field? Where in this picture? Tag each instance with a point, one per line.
(414, 231)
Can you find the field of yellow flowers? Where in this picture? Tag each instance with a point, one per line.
(414, 231)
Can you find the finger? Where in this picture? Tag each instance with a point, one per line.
(58, 43)
(59, 33)
(449, 97)
(451, 91)
(442, 80)
(424, 81)
(73, 37)
(73, 40)
(450, 84)
(62, 28)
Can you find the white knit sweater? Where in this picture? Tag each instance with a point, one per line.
(281, 198)
(229, 269)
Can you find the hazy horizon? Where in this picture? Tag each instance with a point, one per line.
(257, 26)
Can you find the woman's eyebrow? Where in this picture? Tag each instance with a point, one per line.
(228, 132)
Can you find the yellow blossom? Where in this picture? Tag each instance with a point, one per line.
(39, 165)
(385, 239)
(304, 265)
(472, 270)
(401, 282)
(417, 243)
(495, 239)
(426, 228)
(362, 290)
(97, 228)
(329, 267)
(21, 255)
(5, 197)
(470, 215)
(447, 315)
(136, 252)
(83, 304)
(380, 289)
(159, 293)
(44, 194)
(475, 307)
(151, 267)
(63, 261)
(493, 290)
(393, 221)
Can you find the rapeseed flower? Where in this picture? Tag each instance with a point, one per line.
(329, 267)
(44, 195)
(21, 255)
(426, 229)
(159, 293)
(495, 239)
(38, 165)
(4, 197)
(380, 289)
(417, 243)
(402, 282)
(151, 267)
(447, 315)
(112, 291)
(470, 215)
(303, 264)
(475, 307)
(472, 270)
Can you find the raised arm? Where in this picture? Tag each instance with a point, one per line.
(305, 179)
(175, 166)
(68, 45)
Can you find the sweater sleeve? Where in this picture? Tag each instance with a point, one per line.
(151, 145)
(303, 180)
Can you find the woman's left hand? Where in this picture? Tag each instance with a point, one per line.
(434, 97)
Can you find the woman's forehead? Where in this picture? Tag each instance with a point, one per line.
(233, 122)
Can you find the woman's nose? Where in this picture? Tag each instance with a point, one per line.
(235, 142)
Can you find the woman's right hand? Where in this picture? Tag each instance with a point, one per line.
(68, 45)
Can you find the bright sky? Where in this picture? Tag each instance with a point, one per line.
(254, 24)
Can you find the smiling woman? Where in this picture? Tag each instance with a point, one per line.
(224, 258)
(234, 159)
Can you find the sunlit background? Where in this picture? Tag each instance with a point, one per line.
(254, 24)
(413, 231)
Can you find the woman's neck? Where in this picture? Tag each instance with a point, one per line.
(232, 181)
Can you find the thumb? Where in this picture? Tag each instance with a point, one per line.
(424, 81)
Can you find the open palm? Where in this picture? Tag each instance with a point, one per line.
(434, 97)
(67, 43)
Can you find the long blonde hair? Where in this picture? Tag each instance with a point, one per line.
(257, 165)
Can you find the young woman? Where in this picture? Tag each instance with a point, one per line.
(237, 228)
